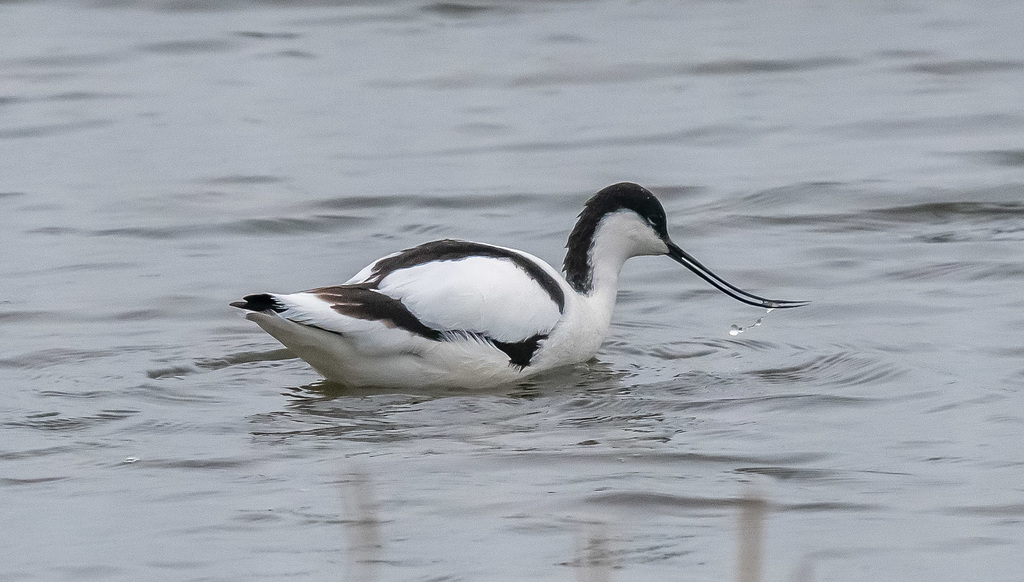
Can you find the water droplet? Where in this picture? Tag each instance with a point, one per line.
(737, 330)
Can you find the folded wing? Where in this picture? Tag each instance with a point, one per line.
(442, 291)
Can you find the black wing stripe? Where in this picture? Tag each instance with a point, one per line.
(453, 250)
(361, 302)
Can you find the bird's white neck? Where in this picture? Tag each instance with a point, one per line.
(618, 237)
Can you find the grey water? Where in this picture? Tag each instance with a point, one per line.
(159, 159)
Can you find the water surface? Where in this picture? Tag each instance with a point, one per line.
(160, 159)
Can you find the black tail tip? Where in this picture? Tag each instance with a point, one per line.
(258, 302)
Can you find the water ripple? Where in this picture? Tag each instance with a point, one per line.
(214, 464)
(660, 502)
(668, 458)
(940, 221)
(53, 421)
(187, 47)
(840, 369)
(245, 180)
(53, 357)
(35, 453)
(29, 481)
(53, 129)
(1011, 158)
(964, 67)
(790, 401)
(790, 473)
(960, 271)
(686, 349)
(760, 66)
(628, 72)
(65, 60)
(280, 225)
(208, 364)
(706, 135)
(1015, 510)
(465, 9)
(922, 126)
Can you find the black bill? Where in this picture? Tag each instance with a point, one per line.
(684, 259)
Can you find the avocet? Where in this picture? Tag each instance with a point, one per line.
(466, 314)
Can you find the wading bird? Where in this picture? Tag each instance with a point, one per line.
(466, 314)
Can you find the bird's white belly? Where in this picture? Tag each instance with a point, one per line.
(393, 358)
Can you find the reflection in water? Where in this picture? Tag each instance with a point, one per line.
(592, 376)
(593, 561)
(750, 535)
(362, 525)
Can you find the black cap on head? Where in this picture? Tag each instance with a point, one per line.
(614, 198)
(626, 196)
